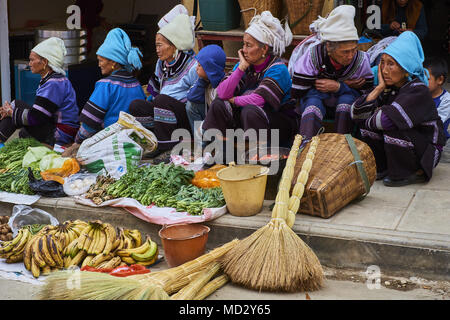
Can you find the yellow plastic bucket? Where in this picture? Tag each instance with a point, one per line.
(243, 188)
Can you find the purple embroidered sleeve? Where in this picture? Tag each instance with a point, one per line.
(225, 90)
(252, 99)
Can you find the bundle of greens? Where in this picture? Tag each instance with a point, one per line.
(166, 185)
(16, 181)
(12, 153)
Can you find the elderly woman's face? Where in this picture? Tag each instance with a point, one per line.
(393, 73)
(164, 49)
(106, 66)
(253, 52)
(344, 53)
(37, 63)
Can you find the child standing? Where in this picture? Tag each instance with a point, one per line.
(438, 69)
(210, 69)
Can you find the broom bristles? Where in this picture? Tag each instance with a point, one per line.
(96, 285)
(274, 258)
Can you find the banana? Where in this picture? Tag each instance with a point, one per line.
(55, 251)
(100, 258)
(137, 236)
(110, 238)
(129, 242)
(46, 270)
(103, 264)
(35, 270)
(101, 243)
(27, 253)
(22, 242)
(71, 245)
(115, 245)
(74, 251)
(127, 252)
(36, 252)
(92, 242)
(114, 262)
(95, 242)
(77, 259)
(147, 255)
(149, 262)
(45, 252)
(87, 260)
(72, 235)
(67, 260)
(122, 240)
(128, 260)
(89, 239)
(16, 257)
(10, 244)
(83, 236)
(66, 238)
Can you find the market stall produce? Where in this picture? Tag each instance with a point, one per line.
(162, 185)
(5, 230)
(95, 244)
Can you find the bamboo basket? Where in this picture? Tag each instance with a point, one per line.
(334, 181)
(274, 6)
(304, 10)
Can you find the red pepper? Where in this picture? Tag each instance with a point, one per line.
(125, 271)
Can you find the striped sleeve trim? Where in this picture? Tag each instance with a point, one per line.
(45, 106)
(271, 92)
(92, 115)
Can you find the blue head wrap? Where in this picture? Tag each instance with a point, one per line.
(408, 53)
(117, 47)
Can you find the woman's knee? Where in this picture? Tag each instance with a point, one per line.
(139, 107)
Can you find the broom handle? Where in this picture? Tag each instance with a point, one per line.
(302, 178)
(282, 198)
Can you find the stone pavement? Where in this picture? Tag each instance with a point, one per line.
(404, 231)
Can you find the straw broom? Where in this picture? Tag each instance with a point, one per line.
(212, 286)
(96, 285)
(274, 258)
(190, 291)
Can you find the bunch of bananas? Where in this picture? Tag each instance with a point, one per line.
(95, 243)
(43, 253)
(13, 250)
(146, 254)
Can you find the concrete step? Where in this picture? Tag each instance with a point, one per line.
(336, 245)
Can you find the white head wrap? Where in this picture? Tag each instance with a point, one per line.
(178, 9)
(339, 25)
(178, 27)
(267, 29)
(54, 50)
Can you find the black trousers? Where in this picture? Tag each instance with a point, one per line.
(223, 116)
(163, 115)
(44, 133)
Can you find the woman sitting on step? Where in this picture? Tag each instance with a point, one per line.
(398, 118)
(256, 93)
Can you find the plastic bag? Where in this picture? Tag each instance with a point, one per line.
(79, 183)
(117, 147)
(51, 189)
(69, 167)
(23, 215)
